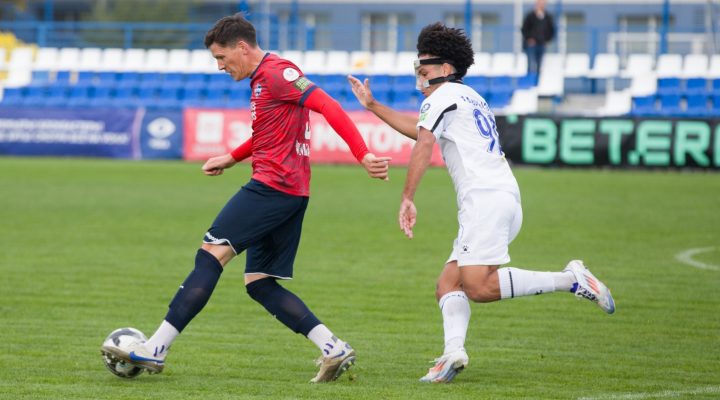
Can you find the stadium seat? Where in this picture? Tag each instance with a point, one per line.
(112, 60)
(78, 96)
(605, 66)
(617, 103)
(128, 79)
(90, 60)
(202, 61)
(106, 78)
(715, 109)
(644, 106)
(671, 105)
(526, 82)
(697, 106)
(696, 86)
(521, 65)
(21, 57)
(383, 63)
(669, 66)
(315, 62)
(695, 66)
(643, 85)
(668, 86)
(503, 64)
(195, 80)
(551, 82)
(18, 77)
(220, 81)
(714, 68)
(577, 65)
(360, 62)
(34, 96)
(523, 102)
(481, 84)
(156, 60)
(295, 56)
(404, 63)
(499, 100)
(68, 59)
(178, 60)
(172, 80)
(481, 66)
(214, 97)
(637, 65)
(134, 60)
(46, 59)
(11, 96)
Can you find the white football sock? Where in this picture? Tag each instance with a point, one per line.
(455, 309)
(324, 339)
(515, 282)
(160, 342)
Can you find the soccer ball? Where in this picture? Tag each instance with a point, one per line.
(123, 338)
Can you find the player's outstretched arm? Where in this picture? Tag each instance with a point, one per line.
(321, 102)
(401, 122)
(419, 161)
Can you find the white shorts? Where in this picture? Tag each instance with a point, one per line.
(489, 220)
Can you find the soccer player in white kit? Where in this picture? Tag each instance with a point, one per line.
(489, 210)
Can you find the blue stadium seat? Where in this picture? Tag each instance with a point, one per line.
(106, 78)
(150, 80)
(481, 84)
(403, 83)
(62, 78)
(128, 79)
(695, 86)
(40, 78)
(528, 81)
(668, 86)
(238, 96)
(168, 97)
(125, 96)
(79, 96)
(215, 98)
(101, 96)
(191, 96)
(697, 105)
(195, 80)
(12, 97)
(147, 95)
(34, 95)
(670, 104)
(715, 91)
(409, 100)
(715, 109)
(501, 84)
(643, 106)
(499, 99)
(172, 80)
(56, 96)
(220, 80)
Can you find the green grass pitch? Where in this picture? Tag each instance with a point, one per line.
(93, 245)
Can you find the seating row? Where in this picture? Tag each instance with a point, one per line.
(673, 105)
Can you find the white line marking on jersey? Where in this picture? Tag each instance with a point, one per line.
(686, 257)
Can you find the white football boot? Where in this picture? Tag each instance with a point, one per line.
(334, 364)
(138, 355)
(590, 287)
(446, 367)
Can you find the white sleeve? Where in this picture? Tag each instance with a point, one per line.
(434, 114)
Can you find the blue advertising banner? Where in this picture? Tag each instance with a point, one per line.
(161, 134)
(68, 131)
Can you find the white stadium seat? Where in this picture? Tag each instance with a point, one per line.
(315, 62)
(521, 65)
(295, 56)
(21, 57)
(524, 101)
(46, 59)
(606, 65)
(695, 66)
(201, 60)
(577, 65)
(90, 59)
(178, 60)
(552, 76)
(156, 60)
(68, 59)
(360, 62)
(113, 59)
(637, 64)
(502, 64)
(134, 60)
(404, 63)
(481, 66)
(669, 66)
(337, 62)
(643, 85)
(616, 104)
(383, 63)
(714, 68)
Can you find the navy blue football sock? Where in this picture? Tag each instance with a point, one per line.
(195, 292)
(283, 304)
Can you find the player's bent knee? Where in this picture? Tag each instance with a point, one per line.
(481, 293)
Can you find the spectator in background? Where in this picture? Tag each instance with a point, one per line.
(538, 30)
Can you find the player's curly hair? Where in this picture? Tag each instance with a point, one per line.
(449, 43)
(228, 30)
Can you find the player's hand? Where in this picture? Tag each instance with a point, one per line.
(217, 165)
(407, 217)
(361, 91)
(376, 167)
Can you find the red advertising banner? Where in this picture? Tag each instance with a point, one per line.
(211, 132)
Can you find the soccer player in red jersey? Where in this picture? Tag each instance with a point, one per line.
(265, 216)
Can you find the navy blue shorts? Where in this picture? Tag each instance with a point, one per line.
(265, 222)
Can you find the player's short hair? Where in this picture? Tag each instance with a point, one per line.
(447, 43)
(228, 30)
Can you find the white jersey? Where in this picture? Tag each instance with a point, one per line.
(465, 128)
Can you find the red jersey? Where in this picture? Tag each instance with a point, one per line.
(281, 126)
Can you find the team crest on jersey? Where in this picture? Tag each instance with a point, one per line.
(423, 111)
(302, 84)
(290, 74)
(258, 90)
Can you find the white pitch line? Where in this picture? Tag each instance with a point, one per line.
(686, 257)
(655, 395)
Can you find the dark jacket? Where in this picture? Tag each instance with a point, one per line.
(542, 30)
